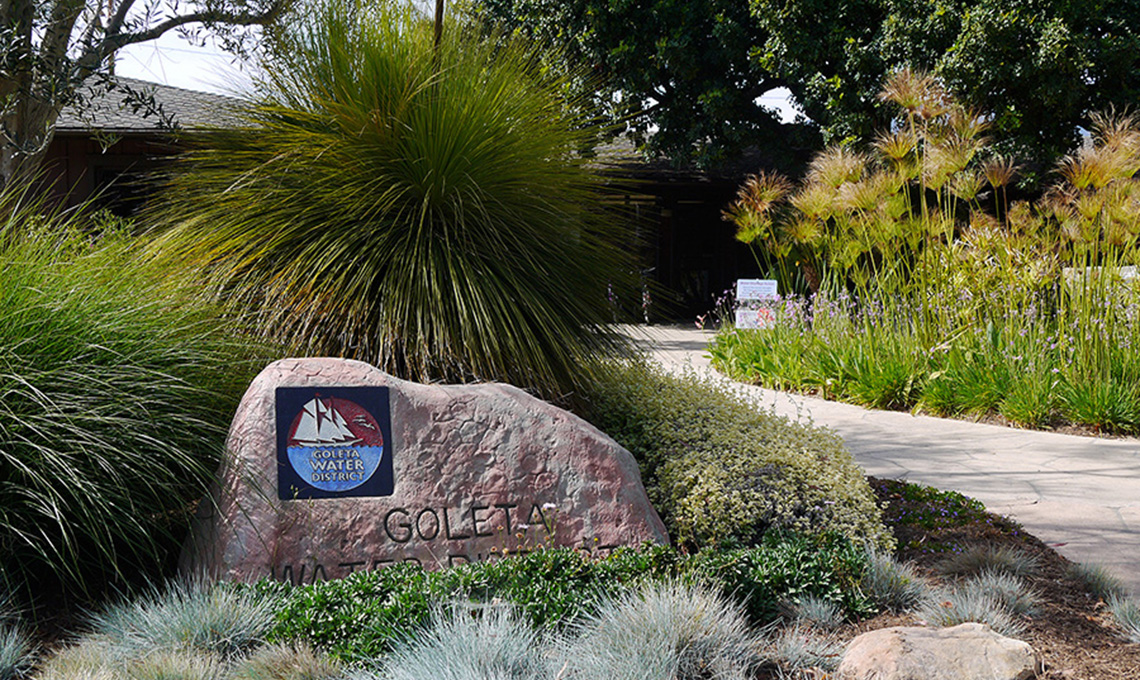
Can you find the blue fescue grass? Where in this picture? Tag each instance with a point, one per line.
(184, 616)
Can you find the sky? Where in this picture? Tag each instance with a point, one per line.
(170, 60)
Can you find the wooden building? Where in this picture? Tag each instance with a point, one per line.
(102, 151)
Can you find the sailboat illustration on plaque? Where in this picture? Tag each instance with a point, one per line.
(333, 443)
(321, 424)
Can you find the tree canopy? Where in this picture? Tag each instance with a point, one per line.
(684, 76)
(1037, 67)
(50, 48)
(675, 74)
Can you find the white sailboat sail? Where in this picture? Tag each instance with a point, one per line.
(321, 424)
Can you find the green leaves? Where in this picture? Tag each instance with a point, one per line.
(426, 213)
(115, 396)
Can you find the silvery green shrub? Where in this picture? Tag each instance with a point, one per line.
(718, 466)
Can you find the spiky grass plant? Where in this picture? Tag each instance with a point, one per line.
(797, 650)
(116, 391)
(1008, 590)
(172, 665)
(952, 606)
(282, 661)
(1099, 581)
(16, 651)
(1126, 612)
(184, 616)
(978, 559)
(85, 660)
(461, 643)
(815, 612)
(894, 585)
(425, 210)
(662, 631)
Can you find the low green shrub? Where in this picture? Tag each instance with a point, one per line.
(363, 616)
(719, 467)
(116, 395)
(788, 568)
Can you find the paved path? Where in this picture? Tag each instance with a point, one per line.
(1080, 495)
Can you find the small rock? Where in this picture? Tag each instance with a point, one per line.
(475, 470)
(970, 651)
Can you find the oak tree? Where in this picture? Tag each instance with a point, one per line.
(52, 51)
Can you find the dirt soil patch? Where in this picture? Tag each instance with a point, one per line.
(1073, 630)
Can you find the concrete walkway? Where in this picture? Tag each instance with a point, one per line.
(1080, 495)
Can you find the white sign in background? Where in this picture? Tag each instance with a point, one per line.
(754, 307)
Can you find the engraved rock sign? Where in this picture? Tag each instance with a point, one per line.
(334, 467)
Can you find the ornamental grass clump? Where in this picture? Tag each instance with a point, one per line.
(1126, 612)
(185, 616)
(1097, 579)
(461, 643)
(281, 661)
(893, 585)
(953, 606)
(927, 289)
(804, 652)
(1010, 591)
(979, 559)
(116, 391)
(422, 208)
(664, 630)
(16, 650)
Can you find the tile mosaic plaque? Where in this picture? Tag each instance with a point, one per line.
(333, 442)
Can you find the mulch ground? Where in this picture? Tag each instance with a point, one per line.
(1073, 630)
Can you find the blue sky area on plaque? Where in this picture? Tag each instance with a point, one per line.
(170, 60)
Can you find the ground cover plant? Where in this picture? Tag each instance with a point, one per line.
(719, 467)
(366, 615)
(929, 291)
(115, 395)
(421, 207)
(636, 613)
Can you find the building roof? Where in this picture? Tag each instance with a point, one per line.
(119, 112)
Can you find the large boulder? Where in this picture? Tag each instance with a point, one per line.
(970, 651)
(330, 479)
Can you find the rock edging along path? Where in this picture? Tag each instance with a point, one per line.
(1080, 495)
